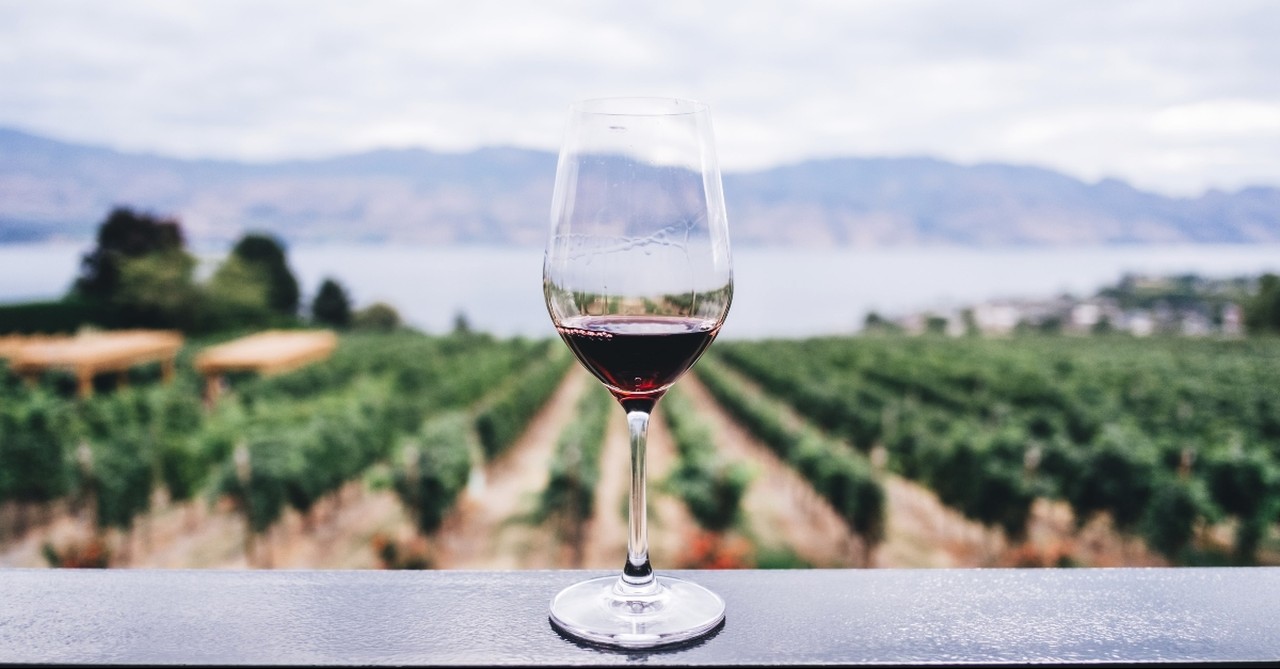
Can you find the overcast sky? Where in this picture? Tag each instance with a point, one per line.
(1171, 95)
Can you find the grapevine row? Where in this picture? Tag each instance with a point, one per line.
(1164, 436)
(837, 473)
(273, 443)
(711, 487)
(568, 500)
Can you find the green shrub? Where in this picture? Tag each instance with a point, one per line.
(434, 468)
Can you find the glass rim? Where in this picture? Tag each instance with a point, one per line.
(639, 106)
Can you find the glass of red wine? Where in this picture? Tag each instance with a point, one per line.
(638, 280)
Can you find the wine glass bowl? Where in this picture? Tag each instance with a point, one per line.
(638, 280)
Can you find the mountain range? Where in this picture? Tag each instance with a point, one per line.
(51, 190)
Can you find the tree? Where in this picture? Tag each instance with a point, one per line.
(157, 290)
(935, 324)
(331, 305)
(461, 325)
(266, 252)
(378, 316)
(1262, 311)
(875, 323)
(125, 235)
(140, 271)
(236, 296)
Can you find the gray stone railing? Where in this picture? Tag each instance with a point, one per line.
(1179, 617)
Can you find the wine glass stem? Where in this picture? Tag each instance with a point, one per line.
(637, 575)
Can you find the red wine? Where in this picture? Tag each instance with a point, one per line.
(638, 357)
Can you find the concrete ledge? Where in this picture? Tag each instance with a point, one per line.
(1170, 617)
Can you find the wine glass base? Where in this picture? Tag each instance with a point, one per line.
(597, 612)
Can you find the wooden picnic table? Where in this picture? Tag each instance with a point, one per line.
(12, 343)
(267, 353)
(89, 354)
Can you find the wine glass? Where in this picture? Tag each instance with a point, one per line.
(638, 279)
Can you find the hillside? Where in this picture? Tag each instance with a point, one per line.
(51, 189)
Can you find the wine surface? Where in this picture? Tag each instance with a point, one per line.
(638, 357)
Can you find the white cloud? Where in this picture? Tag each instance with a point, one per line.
(1178, 96)
(1219, 118)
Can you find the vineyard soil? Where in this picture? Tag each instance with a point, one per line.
(484, 530)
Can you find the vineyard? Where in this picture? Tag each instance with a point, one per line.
(466, 451)
(1169, 441)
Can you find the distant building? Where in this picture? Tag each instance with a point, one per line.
(996, 318)
(1139, 323)
(1191, 307)
(1232, 320)
(1196, 324)
(1085, 316)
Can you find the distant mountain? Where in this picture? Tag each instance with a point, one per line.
(925, 201)
(56, 190)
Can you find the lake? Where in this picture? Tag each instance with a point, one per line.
(778, 292)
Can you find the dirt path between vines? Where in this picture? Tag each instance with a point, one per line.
(606, 536)
(784, 511)
(669, 522)
(780, 507)
(484, 530)
(198, 535)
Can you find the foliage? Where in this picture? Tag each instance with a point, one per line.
(271, 444)
(837, 473)
(394, 554)
(568, 500)
(141, 275)
(1262, 311)
(331, 305)
(969, 473)
(434, 467)
(125, 235)
(377, 317)
(504, 416)
(1163, 435)
(90, 554)
(158, 290)
(292, 455)
(1186, 291)
(307, 433)
(710, 487)
(36, 442)
(1169, 520)
(461, 325)
(236, 296)
(267, 254)
(136, 439)
(1117, 475)
(120, 476)
(1244, 484)
(141, 271)
(875, 323)
(65, 315)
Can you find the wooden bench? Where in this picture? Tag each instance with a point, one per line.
(267, 353)
(88, 354)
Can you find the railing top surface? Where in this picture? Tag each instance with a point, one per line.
(820, 617)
